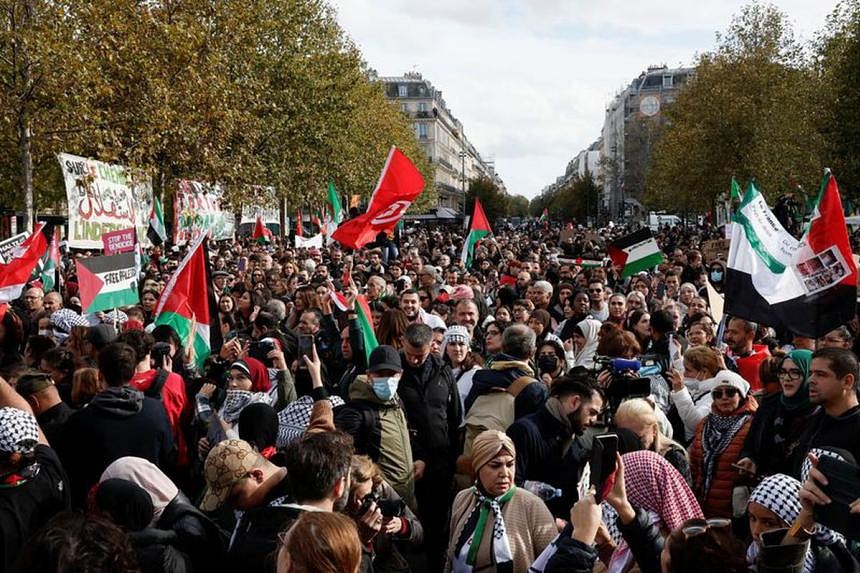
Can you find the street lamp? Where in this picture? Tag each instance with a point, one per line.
(463, 171)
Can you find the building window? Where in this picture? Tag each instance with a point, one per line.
(404, 108)
(667, 82)
(402, 91)
(422, 106)
(422, 131)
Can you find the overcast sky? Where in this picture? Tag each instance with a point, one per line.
(530, 79)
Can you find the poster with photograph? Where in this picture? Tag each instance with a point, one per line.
(822, 271)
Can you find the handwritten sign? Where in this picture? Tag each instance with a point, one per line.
(117, 242)
(197, 209)
(103, 198)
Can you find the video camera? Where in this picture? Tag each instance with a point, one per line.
(629, 379)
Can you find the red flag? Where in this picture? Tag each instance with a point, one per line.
(261, 233)
(398, 186)
(24, 258)
(299, 231)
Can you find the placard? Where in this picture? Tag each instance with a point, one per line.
(103, 198)
(117, 242)
(9, 245)
(197, 209)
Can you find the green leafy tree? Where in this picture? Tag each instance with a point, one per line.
(496, 203)
(751, 110)
(838, 66)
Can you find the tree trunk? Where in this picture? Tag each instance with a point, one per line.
(26, 158)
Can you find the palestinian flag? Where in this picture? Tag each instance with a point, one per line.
(107, 282)
(22, 260)
(317, 220)
(188, 304)
(157, 232)
(808, 286)
(544, 217)
(51, 264)
(365, 324)
(261, 233)
(737, 194)
(334, 207)
(480, 228)
(299, 231)
(635, 252)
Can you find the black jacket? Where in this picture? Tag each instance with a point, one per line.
(197, 535)
(156, 551)
(824, 431)
(644, 540)
(118, 422)
(770, 455)
(485, 380)
(432, 405)
(547, 452)
(571, 555)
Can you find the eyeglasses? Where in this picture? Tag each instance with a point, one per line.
(791, 373)
(701, 526)
(595, 290)
(727, 392)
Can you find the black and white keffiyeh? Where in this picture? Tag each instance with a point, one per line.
(466, 550)
(780, 494)
(718, 433)
(293, 420)
(19, 431)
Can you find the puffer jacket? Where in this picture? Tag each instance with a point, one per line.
(718, 500)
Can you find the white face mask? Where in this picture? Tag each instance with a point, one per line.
(46, 332)
(385, 387)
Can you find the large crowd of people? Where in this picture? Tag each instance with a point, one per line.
(463, 442)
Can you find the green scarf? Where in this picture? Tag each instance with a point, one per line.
(800, 400)
(488, 504)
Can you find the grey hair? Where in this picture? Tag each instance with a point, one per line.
(518, 340)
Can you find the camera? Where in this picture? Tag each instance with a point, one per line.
(160, 351)
(387, 507)
(628, 379)
(260, 350)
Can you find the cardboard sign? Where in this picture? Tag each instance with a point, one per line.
(715, 249)
(117, 242)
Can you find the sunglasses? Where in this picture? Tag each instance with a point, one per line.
(727, 392)
(701, 526)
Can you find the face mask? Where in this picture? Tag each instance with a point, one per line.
(691, 382)
(547, 364)
(385, 388)
(716, 276)
(46, 332)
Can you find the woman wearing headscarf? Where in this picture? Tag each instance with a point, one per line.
(780, 420)
(495, 526)
(584, 344)
(649, 500)
(247, 383)
(197, 536)
(717, 445)
(775, 504)
(128, 505)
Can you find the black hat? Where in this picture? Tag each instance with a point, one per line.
(384, 357)
(101, 335)
(216, 274)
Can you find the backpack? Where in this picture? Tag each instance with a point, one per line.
(491, 411)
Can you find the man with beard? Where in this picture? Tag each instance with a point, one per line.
(547, 441)
(241, 478)
(410, 303)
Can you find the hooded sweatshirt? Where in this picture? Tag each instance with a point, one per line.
(379, 431)
(119, 422)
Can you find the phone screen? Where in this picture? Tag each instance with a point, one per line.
(602, 464)
(306, 348)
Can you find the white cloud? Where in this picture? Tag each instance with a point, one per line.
(530, 80)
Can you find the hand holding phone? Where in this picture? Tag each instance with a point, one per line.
(603, 464)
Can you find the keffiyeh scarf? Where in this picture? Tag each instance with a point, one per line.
(466, 550)
(236, 401)
(718, 433)
(779, 493)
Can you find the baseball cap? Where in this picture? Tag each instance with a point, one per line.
(32, 381)
(384, 357)
(226, 464)
(101, 335)
(19, 431)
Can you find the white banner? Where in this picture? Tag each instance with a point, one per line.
(262, 203)
(310, 242)
(196, 209)
(103, 198)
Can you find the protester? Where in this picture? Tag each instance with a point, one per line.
(496, 526)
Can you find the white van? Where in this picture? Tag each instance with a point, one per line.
(657, 220)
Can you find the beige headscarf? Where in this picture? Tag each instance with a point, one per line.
(487, 446)
(147, 475)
